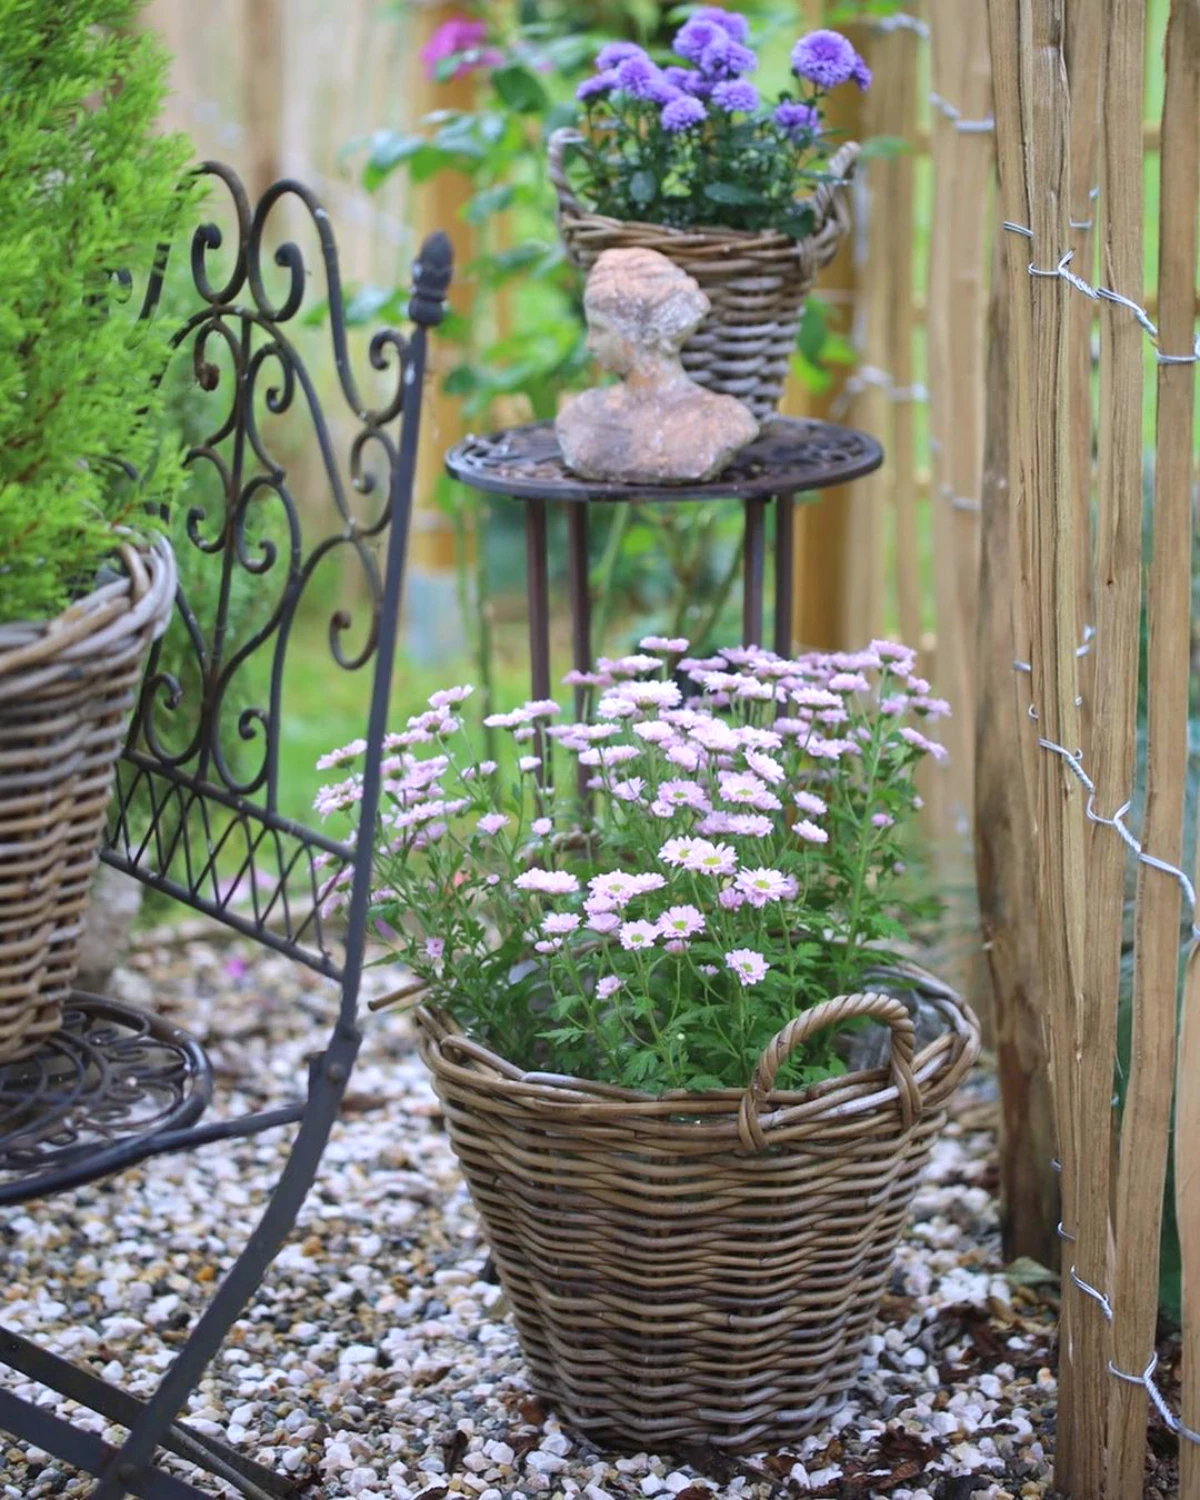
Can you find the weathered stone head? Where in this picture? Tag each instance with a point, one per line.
(639, 304)
(657, 426)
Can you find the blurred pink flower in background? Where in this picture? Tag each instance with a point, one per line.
(459, 34)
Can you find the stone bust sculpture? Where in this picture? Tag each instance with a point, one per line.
(657, 426)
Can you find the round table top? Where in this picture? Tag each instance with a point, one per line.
(789, 455)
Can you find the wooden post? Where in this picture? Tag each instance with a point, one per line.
(1004, 851)
(1145, 1126)
(430, 588)
(821, 529)
(262, 92)
(1032, 106)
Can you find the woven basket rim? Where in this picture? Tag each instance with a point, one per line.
(113, 611)
(700, 236)
(938, 1069)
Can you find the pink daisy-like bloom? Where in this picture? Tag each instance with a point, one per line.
(708, 970)
(614, 887)
(575, 678)
(737, 825)
(810, 832)
(654, 731)
(749, 966)
(710, 859)
(750, 688)
(926, 746)
(448, 697)
(681, 921)
(559, 923)
(650, 881)
(542, 708)
(931, 708)
(762, 885)
(916, 684)
(629, 790)
(434, 949)
(809, 802)
(630, 666)
(548, 945)
(493, 822)
(644, 694)
(617, 708)
(765, 765)
(547, 882)
(814, 697)
(686, 757)
(669, 645)
(607, 987)
(849, 682)
(459, 34)
(676, 945)
(342, 757)
(541, 826)
(524, 734)
(677, 851)
(529, 763)
(681, 793)
(882, 820)
(608, 755)
(744, 788)
(603, 922)
(716, 736)
(754, 737)
(511, 720)
(635, 935)
(894, 703)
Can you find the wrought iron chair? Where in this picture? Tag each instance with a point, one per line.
(193, 819)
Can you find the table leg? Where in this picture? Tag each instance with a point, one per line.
(784, 571)
(752, 572)
(538, 588)
(580, 596)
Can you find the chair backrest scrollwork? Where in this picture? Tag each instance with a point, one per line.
(196, 812)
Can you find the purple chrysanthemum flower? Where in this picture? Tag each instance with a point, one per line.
(600, 83)
(640, 77)
(799, 120)
(731, 23)
(723, 58)
(682, 114)
(697, 33)
(736, 94)
(614, 53)
(825, 58)
(861, 74)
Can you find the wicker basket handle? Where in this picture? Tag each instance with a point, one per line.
(883, 1008)
(556, 149)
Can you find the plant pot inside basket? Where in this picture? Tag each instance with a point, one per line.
(757, 281)
(67, 686)
(699, 1268)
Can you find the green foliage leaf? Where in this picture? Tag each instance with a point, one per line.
(730, 192)
(389, 148)
(884, 147)
(810, 337)
(489, 201)
(520, 89)
(643, 186)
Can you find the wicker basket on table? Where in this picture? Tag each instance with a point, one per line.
(699, 1268)
(756, 280)
(66, 688)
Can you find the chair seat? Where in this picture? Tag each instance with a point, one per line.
(95, 1097)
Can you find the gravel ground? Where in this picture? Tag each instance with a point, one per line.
(377, 1360)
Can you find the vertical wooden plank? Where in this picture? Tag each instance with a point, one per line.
(1144, 1129)
(1169, 633)
(822, 528)
(899, 213)
(262, 94)
(1006, 868)
(1032, 121)
(1085, 55)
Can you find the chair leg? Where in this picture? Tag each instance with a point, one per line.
(79, 1384)
(328, 1075)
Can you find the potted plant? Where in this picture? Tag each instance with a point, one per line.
(641, 999)
(87, 190)
(743, 194)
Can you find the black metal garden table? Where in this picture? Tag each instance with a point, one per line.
(791, 457)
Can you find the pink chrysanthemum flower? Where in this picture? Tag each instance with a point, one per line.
(810, 832)
(809, 802)
(448, 697)
(749, 966)
(882, 820)
(762, 885)
(547, 882)
(607, 987)
(559, 923)
(926, 746)
(493, 822)
(634, 935)
(669, 645)
(681, 922)
(541, 826)
(342, 757)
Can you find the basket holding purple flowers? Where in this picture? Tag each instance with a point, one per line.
(693, 143)
(736, 860)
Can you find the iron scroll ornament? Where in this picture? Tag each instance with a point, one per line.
(198, 786)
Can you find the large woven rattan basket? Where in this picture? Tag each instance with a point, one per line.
(699, 1268)
(756, 281)
(66, 689)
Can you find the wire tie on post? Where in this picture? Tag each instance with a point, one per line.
(1084, 1286)
(1064, 1234)
(1093, 194)
(1146, 1380)
(902, 21)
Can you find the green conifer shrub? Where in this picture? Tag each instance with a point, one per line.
(87, 191)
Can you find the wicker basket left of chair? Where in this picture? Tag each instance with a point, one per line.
(67, 686)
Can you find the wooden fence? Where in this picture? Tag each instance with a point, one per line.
(1066, 77)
